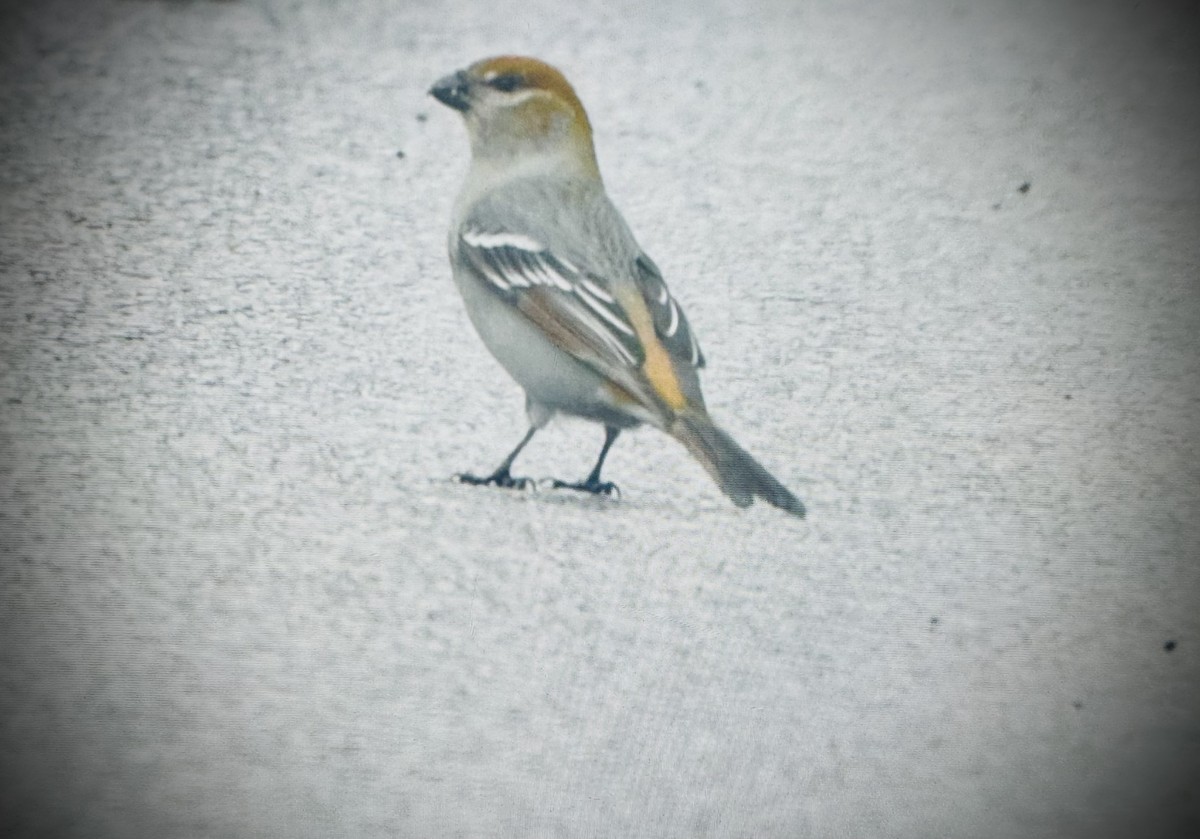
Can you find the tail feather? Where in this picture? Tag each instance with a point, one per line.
(739, 475)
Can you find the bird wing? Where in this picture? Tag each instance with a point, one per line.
(629, 333)
(670, 323)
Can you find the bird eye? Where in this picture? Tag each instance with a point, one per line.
(507, 83)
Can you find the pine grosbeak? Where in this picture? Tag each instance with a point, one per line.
(560, 291)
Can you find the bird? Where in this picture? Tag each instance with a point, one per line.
(559, 290)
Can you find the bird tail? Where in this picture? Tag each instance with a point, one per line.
(739, 475)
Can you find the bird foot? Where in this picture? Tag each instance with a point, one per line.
(593, 487)
(500, 478)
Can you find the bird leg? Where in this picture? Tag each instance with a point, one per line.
(502, 477)
(592, 483)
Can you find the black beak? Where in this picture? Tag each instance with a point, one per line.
(453, 91)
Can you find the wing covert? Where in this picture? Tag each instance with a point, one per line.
(528, 275)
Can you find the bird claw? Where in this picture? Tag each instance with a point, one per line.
(606, 488)
(500, 479)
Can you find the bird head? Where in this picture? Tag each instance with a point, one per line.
(519, 108)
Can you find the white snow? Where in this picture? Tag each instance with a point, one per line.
(242, 595)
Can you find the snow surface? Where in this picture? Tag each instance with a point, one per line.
(243, 597)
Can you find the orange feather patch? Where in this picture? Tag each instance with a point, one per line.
(658, 367)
